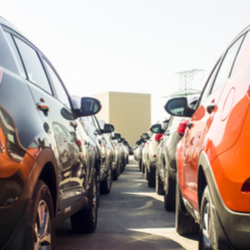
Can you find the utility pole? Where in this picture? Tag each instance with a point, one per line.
(186, 79)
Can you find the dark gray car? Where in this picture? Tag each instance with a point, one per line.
(43, 179)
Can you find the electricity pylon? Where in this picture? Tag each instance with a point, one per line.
(186, 79)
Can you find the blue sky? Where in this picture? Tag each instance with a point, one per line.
(128, 45)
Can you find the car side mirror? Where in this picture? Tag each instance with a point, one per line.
(108, 128)
(85, 106)
(117, 136)
(157, 129)
(179, 107)
(90, 106)
(145, 136)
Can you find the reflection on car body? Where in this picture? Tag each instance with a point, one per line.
(212, 190)
(40, 162)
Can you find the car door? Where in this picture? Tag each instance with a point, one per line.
(54, 107)
(198, 128)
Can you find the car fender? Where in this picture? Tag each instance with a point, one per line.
(45, 168)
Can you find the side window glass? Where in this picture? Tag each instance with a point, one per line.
(227, 64)
(17, 56)
(207, 90)
(60, 92)
(33, 66)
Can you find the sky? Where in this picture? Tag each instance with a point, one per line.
(129, 45)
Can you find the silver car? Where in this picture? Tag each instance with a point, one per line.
(166, 160)
(149, 151)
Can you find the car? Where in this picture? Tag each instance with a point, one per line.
(138, 150)
(165, 157)
(91, 143)
(43, 179)
(119, 153)
(213, 184)
(106, 152)
(149, 151)
(124, 144)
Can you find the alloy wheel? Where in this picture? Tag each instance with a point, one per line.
(206, 230)
(42, 228)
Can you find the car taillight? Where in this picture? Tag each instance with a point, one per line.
(78, 142)
(158, 137)
(246, 186)
(182, 127)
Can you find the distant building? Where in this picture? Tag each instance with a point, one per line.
(130, 113)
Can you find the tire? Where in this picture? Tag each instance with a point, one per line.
(124, 163)
(151, 177)
(146, 173)
(143, 168)
(158, 183)
(85, 220)
(40, 232)
(105, 186)
(120, 166)
(140, 165)
(115, 175)
(184, 223)
(207, 238)
(169, 196)
(98, 188)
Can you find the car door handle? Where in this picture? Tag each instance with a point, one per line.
(43, 106)
(190, 125)
(73, 124)
(211, 107)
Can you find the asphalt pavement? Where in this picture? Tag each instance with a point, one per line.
(131, 216)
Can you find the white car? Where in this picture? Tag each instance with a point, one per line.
(149, 152)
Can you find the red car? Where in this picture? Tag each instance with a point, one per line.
(213, 173)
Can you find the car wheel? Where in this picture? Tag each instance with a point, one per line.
(106, 184)
(98, 188)
(151, 177)
(85, 221)
(146, 172)
(143, 168)
(115, 175)
(169, 196)
(124, 163)
(207, 237)
(184, 223)
(140, 165)
(120, 166)
(40, 231)
(158, 183)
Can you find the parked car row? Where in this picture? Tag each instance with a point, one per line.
(202, 160)
(56, 154)
(113, 150)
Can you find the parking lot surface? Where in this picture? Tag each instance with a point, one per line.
(132, 216)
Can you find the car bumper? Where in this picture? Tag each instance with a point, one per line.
(13, 225)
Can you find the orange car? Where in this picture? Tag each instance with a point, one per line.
(213, 179)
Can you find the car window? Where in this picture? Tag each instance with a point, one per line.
(61, 95)
(17, 56)
(207, 89)
(95, 122)
(227, 64)
(33, 66)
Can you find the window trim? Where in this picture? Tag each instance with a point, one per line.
(55, 95)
